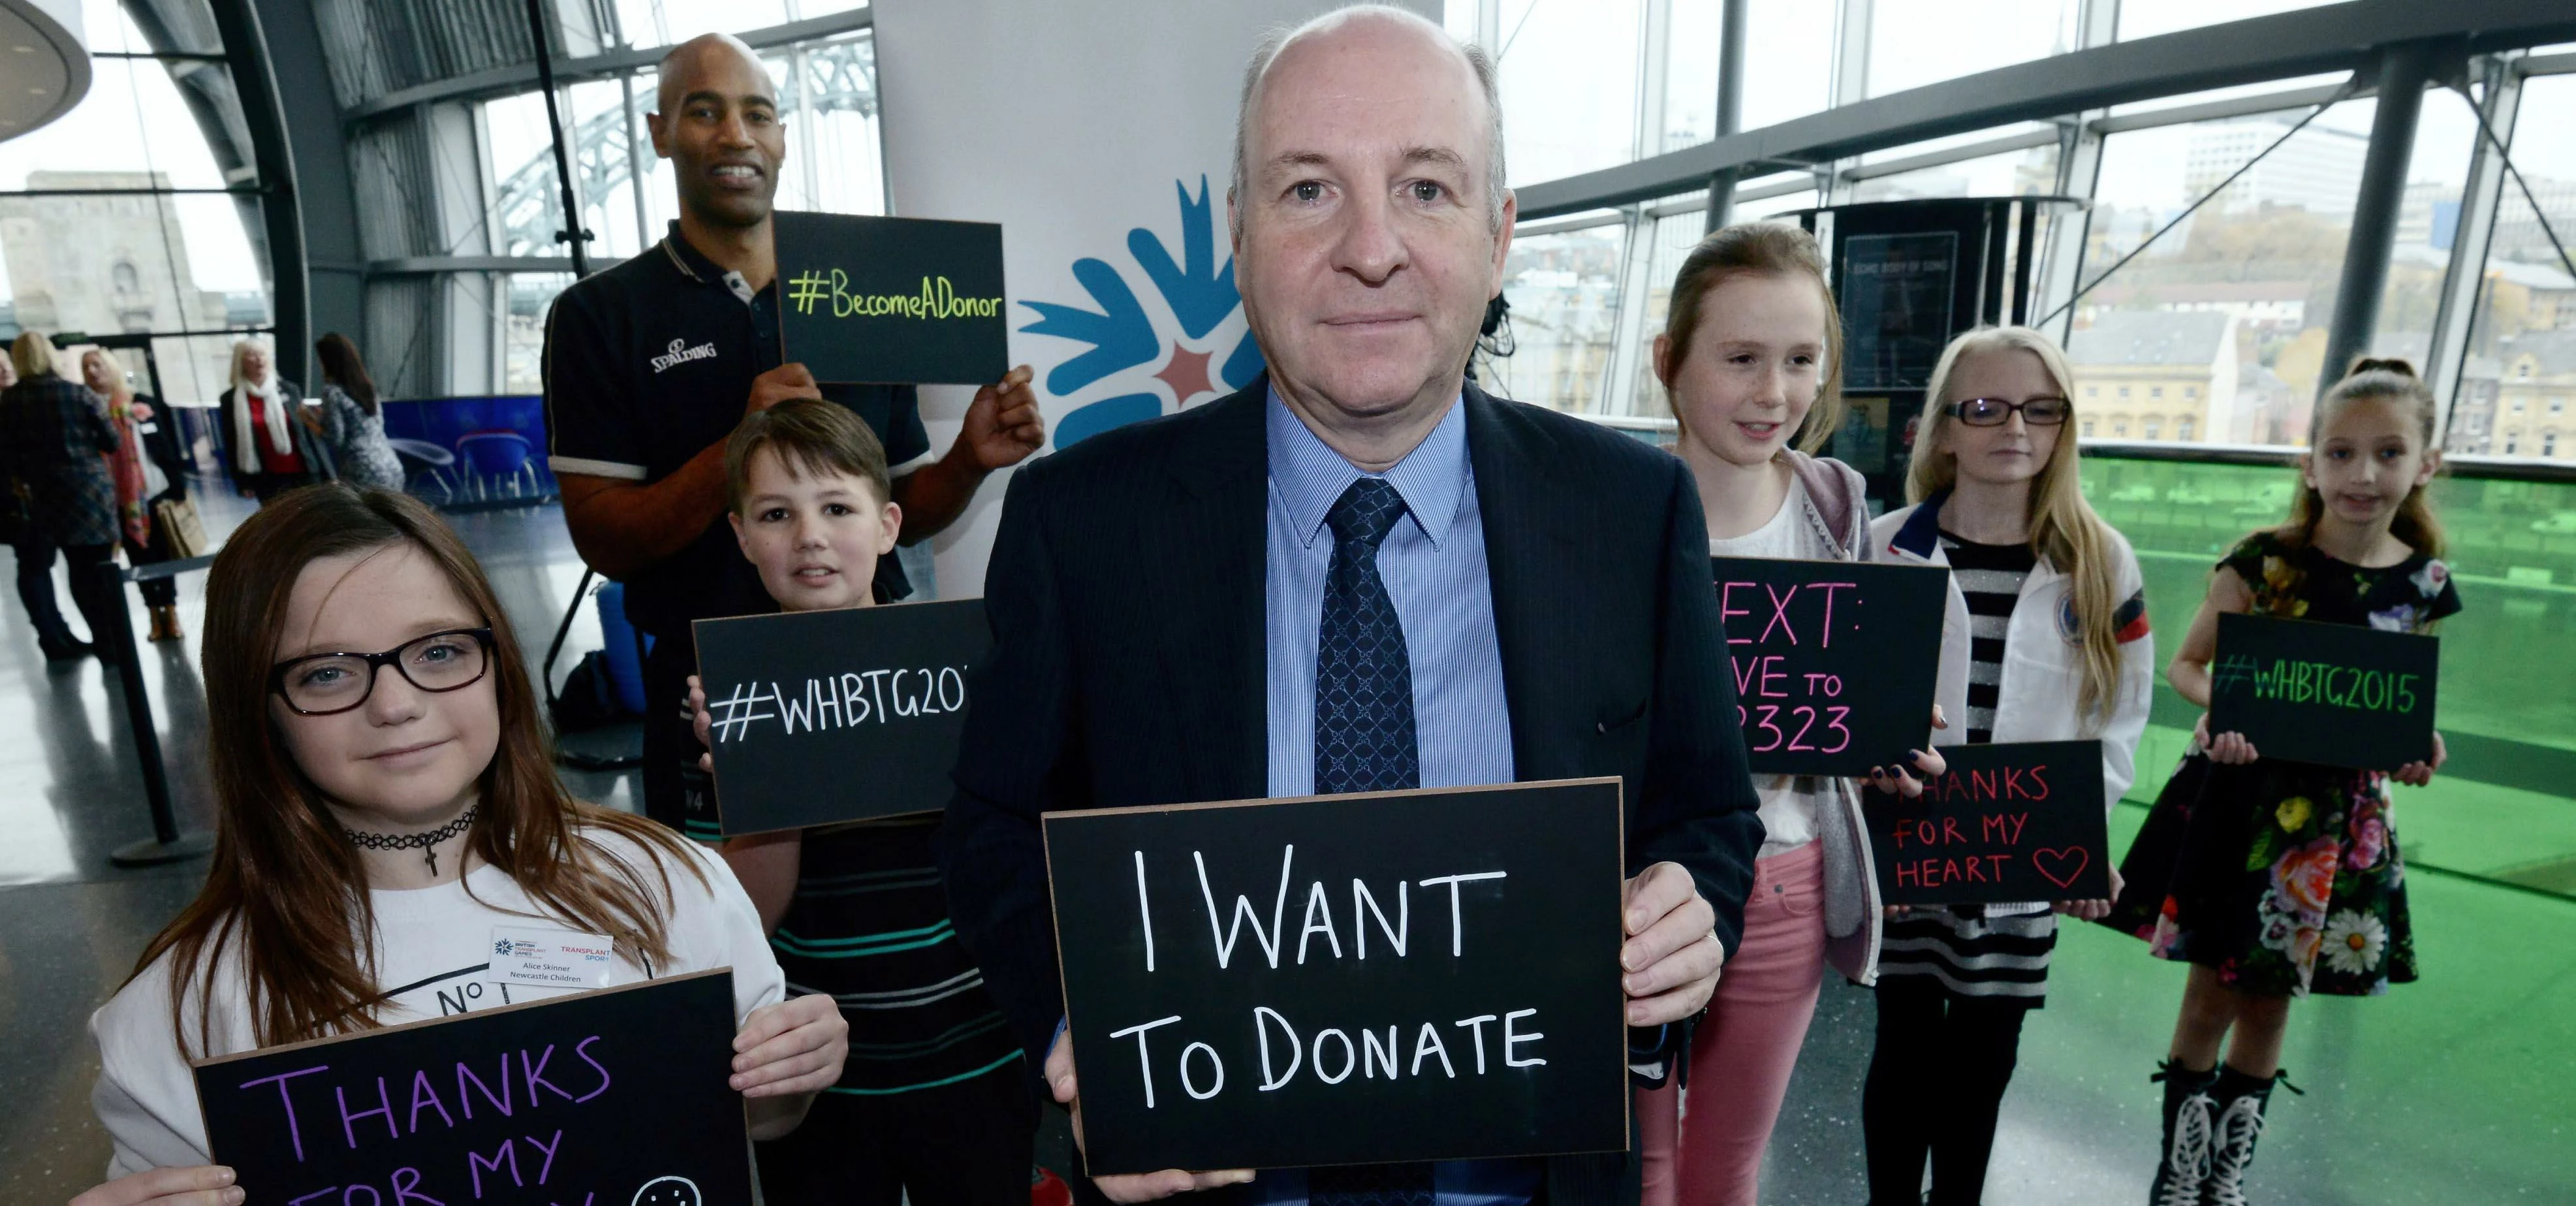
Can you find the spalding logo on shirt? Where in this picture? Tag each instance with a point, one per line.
(681, 351)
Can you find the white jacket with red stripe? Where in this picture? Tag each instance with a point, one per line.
(2042, 674)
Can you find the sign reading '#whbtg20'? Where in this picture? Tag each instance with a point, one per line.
(824, 716)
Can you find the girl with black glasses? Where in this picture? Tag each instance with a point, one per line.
(385, 795)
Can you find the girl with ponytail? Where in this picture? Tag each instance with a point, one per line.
(2277, 879)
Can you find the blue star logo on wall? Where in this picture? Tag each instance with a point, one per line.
(1199, 296)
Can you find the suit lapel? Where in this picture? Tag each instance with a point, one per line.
(1214, 649)
(1528, 545)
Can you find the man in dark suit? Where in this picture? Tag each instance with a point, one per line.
(1359, 574)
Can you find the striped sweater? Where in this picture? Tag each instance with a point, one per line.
(869, 926)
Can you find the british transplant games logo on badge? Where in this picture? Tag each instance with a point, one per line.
(681, 352)
(1189, 328)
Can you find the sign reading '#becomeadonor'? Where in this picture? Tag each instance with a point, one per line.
(902, 300)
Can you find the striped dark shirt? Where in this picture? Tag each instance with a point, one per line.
(1991, 577)
(869, 927)
(1969, 953)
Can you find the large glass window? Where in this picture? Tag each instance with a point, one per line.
(2147, 18)
(670, 22)
(1569, 83)
(2003, 174)
(1564, 293)
(95, 237)
(827, 98)
(2522, 347)
(2236, 298)
(527, 297)
(1927, 41)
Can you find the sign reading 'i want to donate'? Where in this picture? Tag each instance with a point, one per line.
(1350, 979)
(2332, 694)
(892, 300)
(611, 1098)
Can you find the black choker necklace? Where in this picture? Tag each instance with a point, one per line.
(426, 843)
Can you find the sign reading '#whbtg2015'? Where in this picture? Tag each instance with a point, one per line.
(2334, 694)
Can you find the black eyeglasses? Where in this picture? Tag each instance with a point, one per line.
(323, 684)
(1995, 412)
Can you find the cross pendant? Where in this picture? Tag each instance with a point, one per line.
(431, 854)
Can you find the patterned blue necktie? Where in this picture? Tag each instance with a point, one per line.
(1364, 738)
(1364, 741)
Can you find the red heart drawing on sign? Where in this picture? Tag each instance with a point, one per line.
(2074, 856)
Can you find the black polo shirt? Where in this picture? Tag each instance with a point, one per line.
(648, 363)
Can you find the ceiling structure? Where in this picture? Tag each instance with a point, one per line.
(44, 67)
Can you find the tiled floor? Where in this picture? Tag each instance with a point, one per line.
(2460, 1090)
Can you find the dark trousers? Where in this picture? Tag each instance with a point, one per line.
(1936, 1082)
(966, 1144)
(674, 788)
(157, 592)
(36, 586)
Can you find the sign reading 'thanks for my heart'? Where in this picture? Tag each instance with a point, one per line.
(2005, 823)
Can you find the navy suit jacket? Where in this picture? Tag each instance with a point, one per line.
(1129, 667)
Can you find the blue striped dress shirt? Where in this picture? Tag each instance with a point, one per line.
(1434, 569)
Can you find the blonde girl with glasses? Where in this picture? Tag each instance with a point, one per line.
(2045, 640)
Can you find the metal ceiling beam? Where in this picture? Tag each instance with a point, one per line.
(519, 77)
(2314, 41)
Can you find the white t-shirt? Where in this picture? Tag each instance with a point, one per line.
(435, 943)
(1789, 802)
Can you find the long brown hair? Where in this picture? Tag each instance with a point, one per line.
(1744, 249)
(2063, 528)
(285, 885)
(342, 366)
(2394, 380)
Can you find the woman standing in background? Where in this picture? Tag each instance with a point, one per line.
(147, 470)
(352, 423)
(271, 452)
(52, 435)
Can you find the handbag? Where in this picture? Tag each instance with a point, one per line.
(180, 526)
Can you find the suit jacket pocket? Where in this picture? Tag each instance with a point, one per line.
(1616, 721)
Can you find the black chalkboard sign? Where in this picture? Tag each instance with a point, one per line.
(826, 716)
(607, 1098)
(2006, 823)
(1835, 661)
(2332, 694)
(1345, 979)
(902, 300)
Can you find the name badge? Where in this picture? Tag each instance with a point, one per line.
(541, 958)
(147, 428)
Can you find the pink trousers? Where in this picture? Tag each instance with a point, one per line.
(1708, 1151)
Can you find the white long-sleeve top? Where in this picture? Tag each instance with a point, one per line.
(433, 945)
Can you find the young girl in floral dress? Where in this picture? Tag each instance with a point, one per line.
(2276, 879)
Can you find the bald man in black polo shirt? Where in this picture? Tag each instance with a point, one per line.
(649, 366)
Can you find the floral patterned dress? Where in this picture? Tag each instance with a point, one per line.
(2283, 876)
